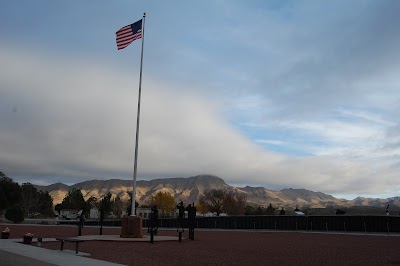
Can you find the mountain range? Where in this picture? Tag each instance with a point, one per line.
(191, 188)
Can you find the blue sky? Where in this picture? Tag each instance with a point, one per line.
(300, 94)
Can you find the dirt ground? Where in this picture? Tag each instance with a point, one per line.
(229, 247)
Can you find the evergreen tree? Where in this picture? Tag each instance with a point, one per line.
(105, 206)
(259, 211)
(10, 192)
(74, 200)
(15, 213)
(45, 206)
(117, 206)
(30, 199)
(249, 210)
(129, 205)
(92, 202)
(270, 210)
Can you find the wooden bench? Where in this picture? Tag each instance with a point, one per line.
(70, 239)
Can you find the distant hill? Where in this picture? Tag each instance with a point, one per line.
(191, 188)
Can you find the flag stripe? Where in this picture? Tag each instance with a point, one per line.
(127, 34)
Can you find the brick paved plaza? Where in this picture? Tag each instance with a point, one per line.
(231, 247)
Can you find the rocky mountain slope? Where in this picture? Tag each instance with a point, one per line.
(190, 189)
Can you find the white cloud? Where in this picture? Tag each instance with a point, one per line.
(62, 121)
(320, 79)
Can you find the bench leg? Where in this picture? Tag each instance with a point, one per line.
(62, 245)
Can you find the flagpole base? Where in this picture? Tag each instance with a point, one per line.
(131, 227)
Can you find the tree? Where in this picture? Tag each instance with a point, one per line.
(92, 202)
(259, 211)
(105, 206)
(201, 207)
(128, 207)
(340, 212)
(74, 200)
(10, 192)
(249, 210)
(30, 199)
(234, 203)
(214, 200)
(15, 213)
(36, 201)
(270, 210)
(165, 202)
(45, 205)
(58, 207)
(117, 206)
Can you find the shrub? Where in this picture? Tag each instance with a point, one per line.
(15, 213)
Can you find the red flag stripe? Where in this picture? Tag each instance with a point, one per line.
(126, 35)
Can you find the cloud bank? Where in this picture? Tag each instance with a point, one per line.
(276, 94)
(60, 121)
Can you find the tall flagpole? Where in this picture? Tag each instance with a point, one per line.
(137, 125)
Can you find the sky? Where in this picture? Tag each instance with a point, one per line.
(279, 94)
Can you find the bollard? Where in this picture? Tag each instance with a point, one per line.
(39, 241)
(180, 236)
(152, 236)
(296, 225)
(311, 226)
(326, 225)
(215, 225)
(254, 225)
(365, 227)
(344, 226)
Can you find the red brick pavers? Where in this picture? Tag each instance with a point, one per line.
(231, 247)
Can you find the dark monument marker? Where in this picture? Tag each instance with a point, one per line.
(181, 214)
(191, 209)
(102, 214)
(153, 227)
(81, 223)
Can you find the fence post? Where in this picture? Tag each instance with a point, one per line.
(344, 226)
(387, 225)
(254, 225)
(296, 225)
(326, 225)
(365, 227)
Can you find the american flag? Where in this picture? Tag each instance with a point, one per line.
(128, 34)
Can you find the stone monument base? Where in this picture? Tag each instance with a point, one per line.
(131, 227)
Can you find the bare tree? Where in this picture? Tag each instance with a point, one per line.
(234, 203)
(213, 200)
